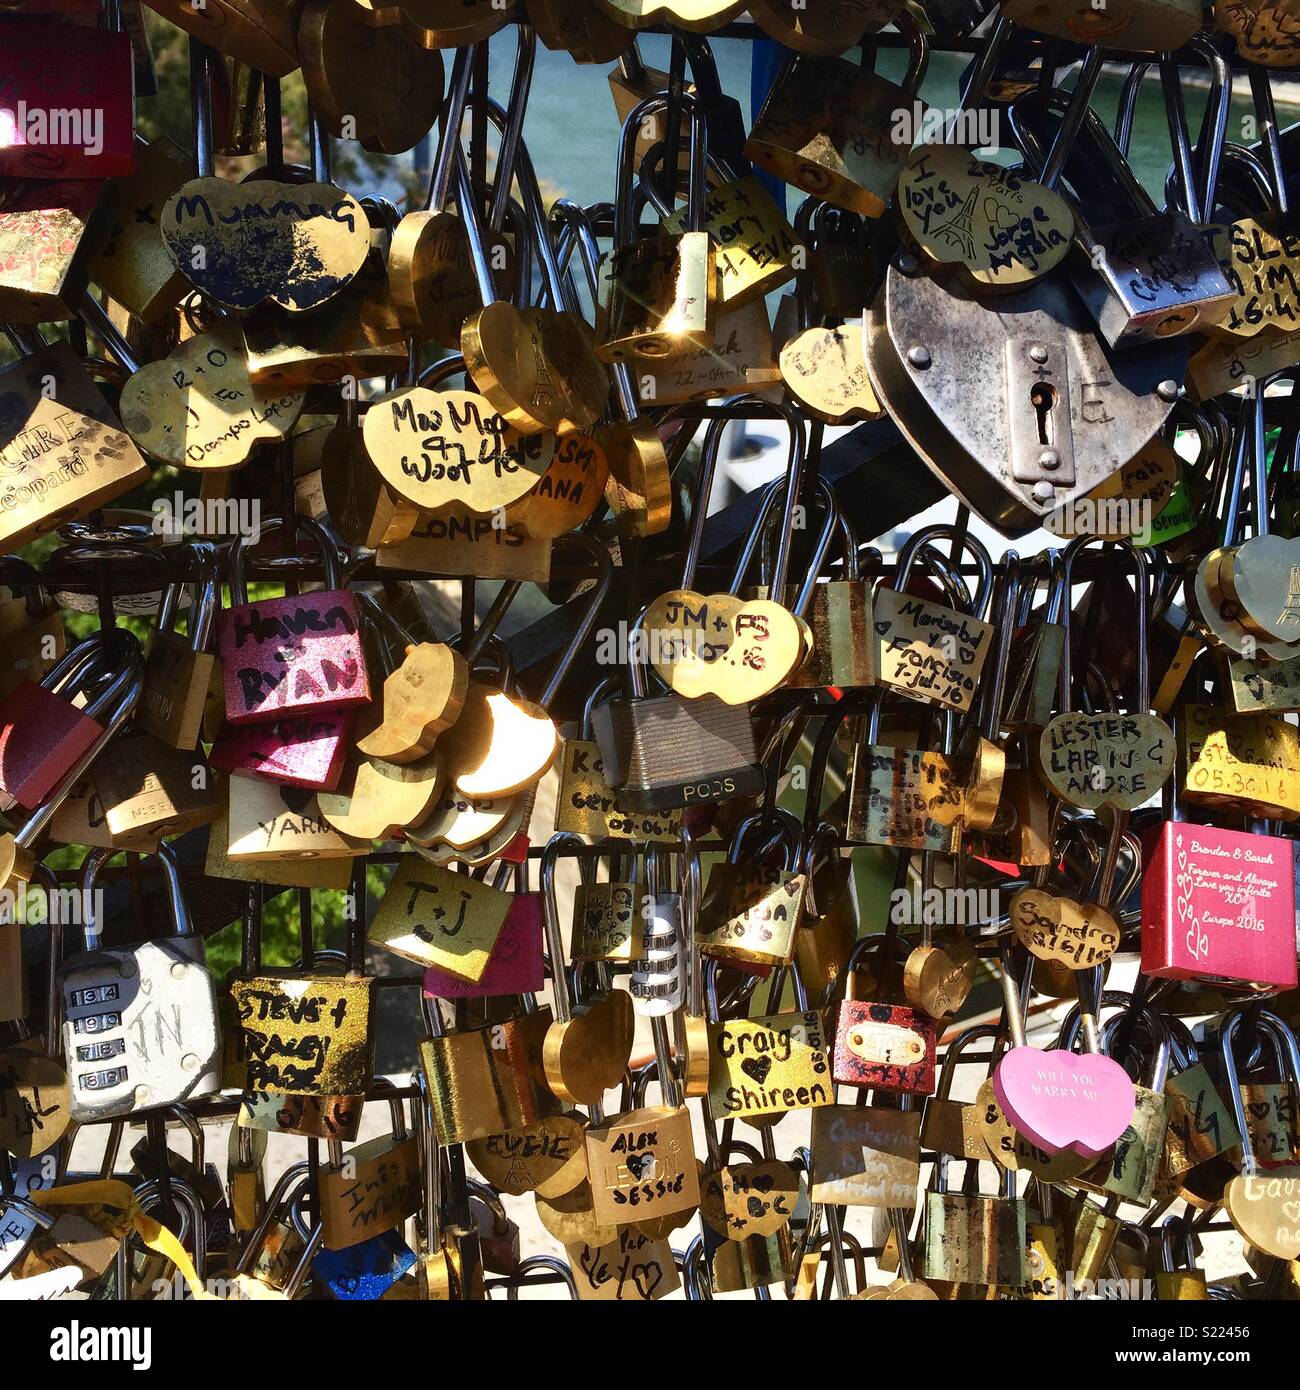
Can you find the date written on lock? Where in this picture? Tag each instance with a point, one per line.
(762, 1066)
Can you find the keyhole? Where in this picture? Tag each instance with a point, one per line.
(1042, 397)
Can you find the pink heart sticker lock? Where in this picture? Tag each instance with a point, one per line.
(515, 965)
(1065, 1100)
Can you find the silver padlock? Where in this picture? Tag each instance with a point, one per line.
(140, 1023)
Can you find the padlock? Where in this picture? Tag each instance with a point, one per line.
(1149, 275)
(586, 1049)
(752, 906)
(1243, 764)
(1192, 893)
(148, 790)
(126, 255)
(304, 1032)
(84, 78)
(660, 291)
(275, 1261)
(971, 1239)
(829, 126)
(44, 735)
(42, 263)
(64, 449)
(1259, 1204)
(840, 611)
(484, 1081)
(952, 1126)
(245, 1185)
(885, 1047)
(291, 655)
(1131, 1171)
(1034, 668)
(372, 1188)
(1172, 1283)
(1015, 444)
(642, 1165)
(931, 652)
(177, 670)
(34, 636)
(498, 1235)
(666, 751)
(1146, 26)
(539, 370)
(1200, 1125)
(866, 1155)
(139, 1022)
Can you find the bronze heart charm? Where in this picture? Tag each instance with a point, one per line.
(718, 644)
(1058, 929)
(1263, 577)
(749, 1199)
(1265, 1209)
(198, 409)
(1094, 760)
(586, 1056)
(999, 229)
(296, 244)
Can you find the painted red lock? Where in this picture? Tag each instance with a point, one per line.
(43, 734)
(886, 1047)
(300, 654)
(304, 750)
(67, 111)
(1219, 904)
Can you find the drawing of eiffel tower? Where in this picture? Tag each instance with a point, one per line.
(958, 230)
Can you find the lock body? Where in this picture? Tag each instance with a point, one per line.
(292, 655)
(662, 752)
(1219, 904)
(140, 1028)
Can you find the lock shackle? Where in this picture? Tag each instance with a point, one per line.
(513, 130)
(1141, 566)
(387, 629)
(1261, 91)
(1228, 1030)
(592, 603)
(1017, 982)
(442, 370)
(832, 720)
(952, 1056)
(788, 487)
(534, 208)
(1127, 193)
(575, 234)
(204, 605)
(833, 524)
(697, 189)
(988, 704)
(560, 843)
(292, 1177)
(1153, 1078)
(442, 171)
(603, 690)
(924, 539)
(314, 531)
(124, 684)
(1176, 1229)
(97, 858)
(541, 1262)
(468, 210)
(785, 834)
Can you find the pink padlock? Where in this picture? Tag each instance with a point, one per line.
(515, 965)
(298, 654)
(68, 109)
(1219, 904)
(304, 750)
(43, 734)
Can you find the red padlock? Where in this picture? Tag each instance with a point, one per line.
(43, 734)
(1219, 904)
(304, 750)
(68, 110)
(294, 655)
(886, 1047)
